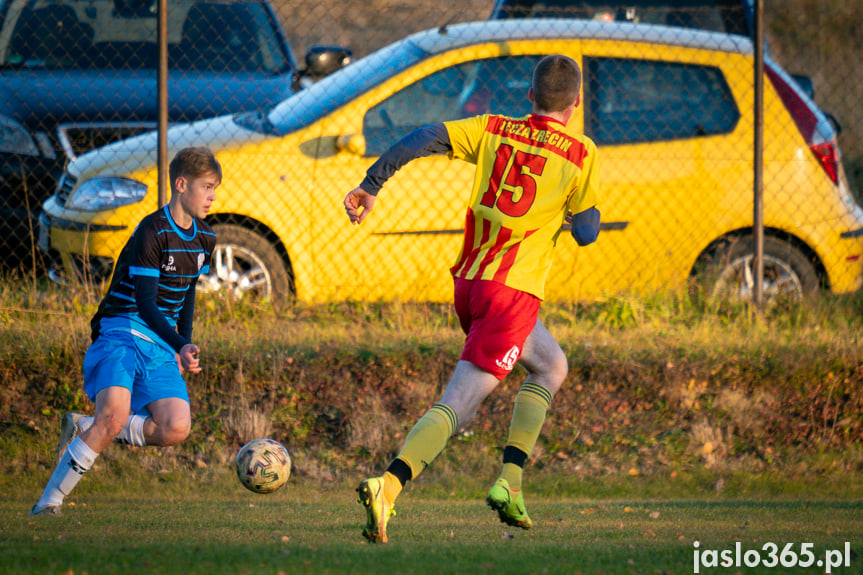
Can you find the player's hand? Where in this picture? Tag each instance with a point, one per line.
(356, 199)
(188, 360)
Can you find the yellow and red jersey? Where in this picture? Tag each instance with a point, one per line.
(530, 172)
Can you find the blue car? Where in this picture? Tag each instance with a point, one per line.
(78, 74)
(728, 16)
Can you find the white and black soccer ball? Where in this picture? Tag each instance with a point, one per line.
(263, 465)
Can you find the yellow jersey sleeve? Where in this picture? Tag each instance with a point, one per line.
(465, 137)
(586, 192)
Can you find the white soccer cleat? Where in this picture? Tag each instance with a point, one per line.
(45, 510)
(69, 430)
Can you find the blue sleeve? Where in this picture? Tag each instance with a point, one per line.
(187, 313)
(146, 288)
(425, 141)
(585, 226)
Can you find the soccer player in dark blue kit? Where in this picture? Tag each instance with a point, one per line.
(142, 332)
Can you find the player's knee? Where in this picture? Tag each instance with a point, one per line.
(175, 431)
(555, 370)
(108, 426)
(555, 365)
(181, 430)
(560, 367)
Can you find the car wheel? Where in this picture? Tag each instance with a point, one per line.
(789, 275)
(245, 264)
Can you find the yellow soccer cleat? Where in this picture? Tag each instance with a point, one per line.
(378, 509)
(509, 504)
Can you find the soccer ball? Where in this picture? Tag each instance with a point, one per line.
(263, 465)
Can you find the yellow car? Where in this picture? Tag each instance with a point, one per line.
(670, 109)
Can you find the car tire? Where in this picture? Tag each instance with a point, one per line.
(245, 264)
(789, 275)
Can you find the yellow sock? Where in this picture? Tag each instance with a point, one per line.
(528, 415)
(512, 473)
(392, 487)
(428, 438)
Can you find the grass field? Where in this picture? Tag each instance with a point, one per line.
(678, 423)
(207, 523)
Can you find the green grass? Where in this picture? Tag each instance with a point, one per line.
(206, 523)
(621, 481)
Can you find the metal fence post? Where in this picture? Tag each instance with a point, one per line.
(758, 159)
(162, 88)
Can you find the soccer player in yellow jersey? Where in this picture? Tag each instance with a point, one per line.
(531, 176)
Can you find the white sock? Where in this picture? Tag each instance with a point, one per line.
(77, 460)
(133, 432)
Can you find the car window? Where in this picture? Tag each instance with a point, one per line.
(716, 15)
(629, 101)
(121, 34)
(495, 85)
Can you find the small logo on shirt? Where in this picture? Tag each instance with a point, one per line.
(169, 267)
(200, 261)
(508, 360)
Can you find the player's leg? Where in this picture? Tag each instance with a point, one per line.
(169, 423)
(497, 321)
(112, 409)
(491, 317)
(467, 388)
(547, 367)
(160, 401)
(162, 423)
(109, 372)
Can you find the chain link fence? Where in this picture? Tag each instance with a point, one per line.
(671, 112)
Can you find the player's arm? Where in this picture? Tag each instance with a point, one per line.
(187, 357)
(425, 141)
(187, 313)
(146, 289)
(584, 225)
(144, 271)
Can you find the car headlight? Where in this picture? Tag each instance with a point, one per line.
(104, 193)
(15, 139)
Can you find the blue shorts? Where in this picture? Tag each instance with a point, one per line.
(149, 370)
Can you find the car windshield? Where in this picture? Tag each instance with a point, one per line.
(203, 36)
(715, 15)
(333, 92)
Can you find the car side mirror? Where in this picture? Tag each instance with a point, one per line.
(352, 143)
(322, 61)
